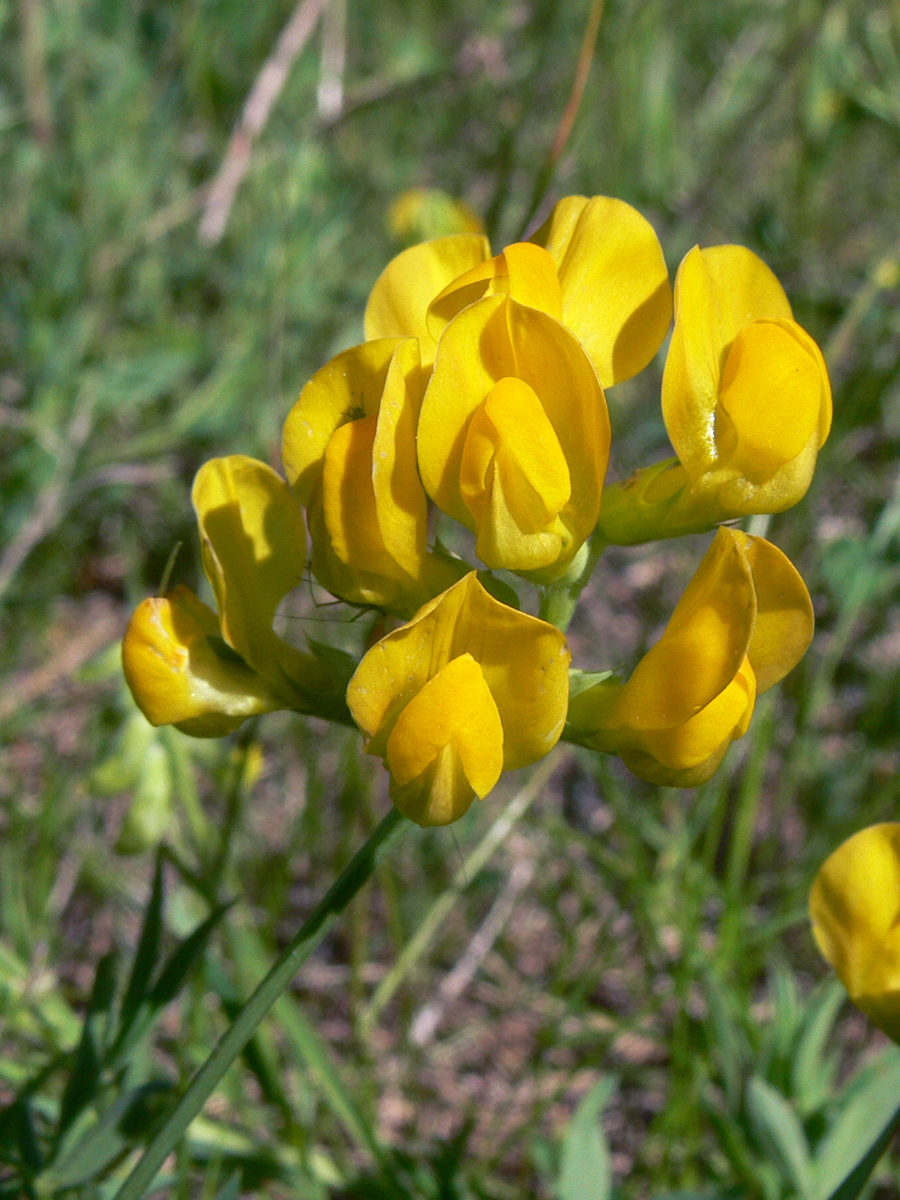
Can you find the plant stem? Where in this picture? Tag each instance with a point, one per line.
(298, 950)
(560, 599)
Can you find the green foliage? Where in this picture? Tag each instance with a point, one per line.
(655, 937)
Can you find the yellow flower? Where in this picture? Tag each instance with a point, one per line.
(745, 398)
(744, 621)
(467, 689)
(513, 436)
(854, 906)
(349, 452)
(595, 264)
(205, 673)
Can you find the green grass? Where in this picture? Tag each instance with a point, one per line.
(662, 938)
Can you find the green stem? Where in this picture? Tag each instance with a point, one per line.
(560, 599)
(298, 950)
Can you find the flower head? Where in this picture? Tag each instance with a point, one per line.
(350, 455)
(595, 264)
(746, 402)
(468, 688)
(513, 436)
(744, 621)
(854, 906)
(207, 673)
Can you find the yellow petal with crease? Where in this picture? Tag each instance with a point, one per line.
(399, 301)
(349, 498)
(771, 393)
(722, 720)
(253, 544)
(524, 661)
(511, 426)
(718, 292)
(523, 271)
(702, 648)
(496, 340)
(616, 295)
(178, 678)
(348, 387)
(452, 716)
(784, 612)
(855, 910)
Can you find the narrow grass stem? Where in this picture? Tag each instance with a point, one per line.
(298, 950)
(439, 911)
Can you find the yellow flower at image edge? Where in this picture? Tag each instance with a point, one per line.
(854, 906)
(206, 673)
(744, 621)
(465, 690)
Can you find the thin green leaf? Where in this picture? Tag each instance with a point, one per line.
(585, 1168)
(861, 1133)
(146, 954)
(811, 1068)
(180, 962)
(84, 1078)
(779, 1127)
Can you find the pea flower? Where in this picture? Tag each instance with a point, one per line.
(744, 621)
(349, 451)
(746, 402)
(854, 906)
(513, 436)
(595, 264)
(467, 689)
(206, 673)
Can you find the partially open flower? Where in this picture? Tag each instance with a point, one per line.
(205, 673)
(467, 689)
(855, 910)
(350, 455)
(745, 398)
(595, 264)
(744, 621)
(513, 436)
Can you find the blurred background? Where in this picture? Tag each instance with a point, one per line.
(172, 273)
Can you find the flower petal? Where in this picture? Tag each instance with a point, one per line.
(178, 677)
(399, 301)
(718, 292)
(524, 662)
(497, 339)
(523, 271)
(784, 613)
(346, 388)
(855, 910)
(615, 287)
(770, 395)
(702, 648)
(253, 544)
(452, 718)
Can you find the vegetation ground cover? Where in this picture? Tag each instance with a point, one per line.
(655, 937)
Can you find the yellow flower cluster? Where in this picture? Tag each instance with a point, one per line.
(479, 393)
